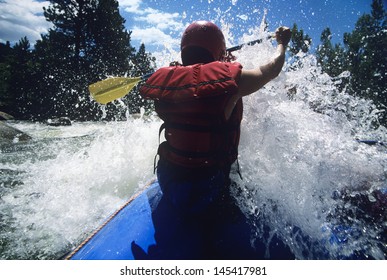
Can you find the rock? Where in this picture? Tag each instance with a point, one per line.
(5, 116)
(11, 134)
(65, 121)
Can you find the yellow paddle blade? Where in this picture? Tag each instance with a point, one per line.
(112, 88)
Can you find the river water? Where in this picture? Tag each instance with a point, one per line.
(317, 188)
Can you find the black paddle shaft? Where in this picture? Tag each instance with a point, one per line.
(251, 43)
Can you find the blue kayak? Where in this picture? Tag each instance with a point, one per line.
(112, 241)
(147, 228)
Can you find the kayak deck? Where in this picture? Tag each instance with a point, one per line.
(147, 227)
(128, 224)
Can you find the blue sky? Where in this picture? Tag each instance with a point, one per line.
(310, 15)
(160, 23)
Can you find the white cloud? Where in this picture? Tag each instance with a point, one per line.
(130, 6)
(153, 27)
(161, 20)
(22, 18)
(154, 36)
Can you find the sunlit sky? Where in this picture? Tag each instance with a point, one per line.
(160, 23)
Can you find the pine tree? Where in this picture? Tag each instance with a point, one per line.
(331, 58)
(21, 81)
(5, 74)
(367, 54)
(87, 43)
(61, 54)
(364, 56)
(143, 63)
(299, 41)
(107, 33)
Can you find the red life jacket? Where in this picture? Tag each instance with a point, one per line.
(191, 101)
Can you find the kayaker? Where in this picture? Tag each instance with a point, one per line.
(200, 103)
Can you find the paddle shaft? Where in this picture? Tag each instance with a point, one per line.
(251, 43)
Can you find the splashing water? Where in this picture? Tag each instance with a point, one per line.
(56, 190)
(301, 163)
(304, 175)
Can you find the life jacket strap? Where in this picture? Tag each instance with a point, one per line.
(200, 128)
(189, 154)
